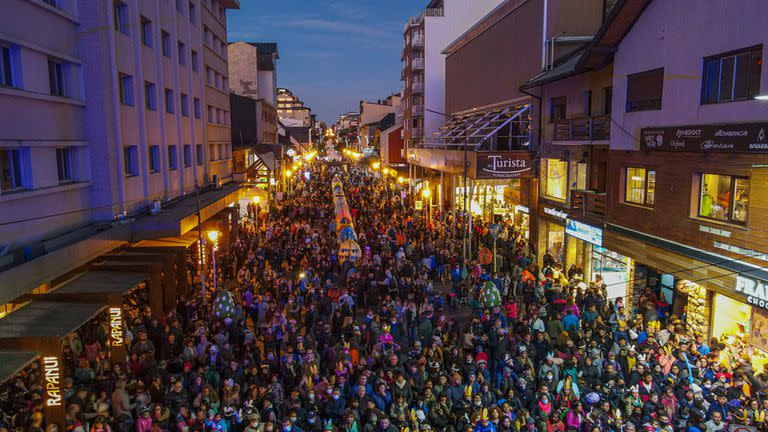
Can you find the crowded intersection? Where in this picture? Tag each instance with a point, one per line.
(339, 308)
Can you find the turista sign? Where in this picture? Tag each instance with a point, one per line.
(755, 290)
(503, 165)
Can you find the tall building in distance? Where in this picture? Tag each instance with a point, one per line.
(423, 74)
(290, 106)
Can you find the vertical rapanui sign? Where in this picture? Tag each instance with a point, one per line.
(116, 326)
(52, 376)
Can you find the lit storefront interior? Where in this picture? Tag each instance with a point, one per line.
(614, 269)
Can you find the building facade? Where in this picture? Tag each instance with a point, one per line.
(290, 106)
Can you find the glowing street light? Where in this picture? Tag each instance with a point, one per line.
(375, 165)
(426, 193)
(214, 236)
(256, 199)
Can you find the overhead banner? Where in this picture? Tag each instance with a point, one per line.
(503, 165)
(733, 138)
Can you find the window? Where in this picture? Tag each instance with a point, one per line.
(56, 77)
(211, 112)
(150, 96)
(588, 103)
(192, 13)
(146, 32)
(180, 6)
(154, 158)
(6, 67)
(218, 116)
(555, 178)
(184, 105)
(196, 103)
(207, 35)
(182, 54)
(54, 3)
(644, 90)
(166, 41)
(608, 100)
(195, 61)
(641, 187)
(121, 17)
(557, 108)
(64, 164)
(208, 75)
(169, 101)
(199, 154)
(126, 89)
(724, 198)
(732, 76)
(211, 152)
(10, 170)
(187, 155)
(131, 160)
(173, 163)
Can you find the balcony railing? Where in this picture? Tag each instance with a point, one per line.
(402, 75)
(417, 110)
(417, 41)
(597, 128)
(417, 87)
(434, 12)
(417, 132)
(588, 203)
(417, 63)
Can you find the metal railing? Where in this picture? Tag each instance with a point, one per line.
(417, 87)
(417, 63)
(596, 128)
(588, 203)
(417, 41)
(434, 12)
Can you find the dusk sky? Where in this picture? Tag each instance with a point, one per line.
(332, 52)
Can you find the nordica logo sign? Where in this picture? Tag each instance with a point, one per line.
(504, 165)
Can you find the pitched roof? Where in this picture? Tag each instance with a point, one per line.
(565, 66)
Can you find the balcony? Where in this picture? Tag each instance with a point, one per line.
(417, 42)
(417, 110)
(596, 128)
(588, 203)
(417, 64)
(402, 75)
(434, 12)
(417, 87)
(417, 133)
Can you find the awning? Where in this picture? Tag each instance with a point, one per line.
(13, 362)
(505, 127)
(96, 284)
(187, 240)
(181, 217)
(45, 319)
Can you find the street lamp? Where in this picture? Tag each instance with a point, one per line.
(427, 194)
(214, 236)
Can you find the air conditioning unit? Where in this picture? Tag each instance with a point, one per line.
(155, 207)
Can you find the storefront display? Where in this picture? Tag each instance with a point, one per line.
(614, 270)
(731, 318)
(696, 308)
(554, 238)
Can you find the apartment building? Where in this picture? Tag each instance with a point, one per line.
(290, 106)
(423, 74)
(253, 70)
(375, 117)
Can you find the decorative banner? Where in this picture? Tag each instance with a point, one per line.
(116, 326)
(350, 251)
(758, 337)
(733, 138)
(52, 378)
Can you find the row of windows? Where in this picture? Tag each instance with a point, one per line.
(726, 77)
(13, 166)
(150, 98)
(131, 158)
(214, 43)
(218, 115)
(165, 45)
(720, 197)
(122, 18)
(59, 71)
(216, 79)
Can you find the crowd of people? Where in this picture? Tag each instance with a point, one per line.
(387, 344)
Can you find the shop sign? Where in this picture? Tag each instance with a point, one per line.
(755, 290)
(418, 204)
(116, 326)
(522, 208)
(585, 232)
(556, 213)
(734, 138)
(52, 377)
(503, 165)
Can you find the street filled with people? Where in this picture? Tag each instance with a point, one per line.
(406, 336)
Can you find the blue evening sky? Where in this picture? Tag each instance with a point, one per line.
(333, 53)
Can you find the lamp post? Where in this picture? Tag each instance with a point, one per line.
(427, 194)
(214, 237)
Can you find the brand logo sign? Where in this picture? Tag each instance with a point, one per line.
(503, 165)
(756, 291)
(585, 232)
(116, 326)
(52, 378)
(738, 138)
(556, 213)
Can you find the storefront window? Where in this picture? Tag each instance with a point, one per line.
(555, 178)
(735, 317)
(555, 240)
(613, 269)
(641, 186)
(724, 198)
